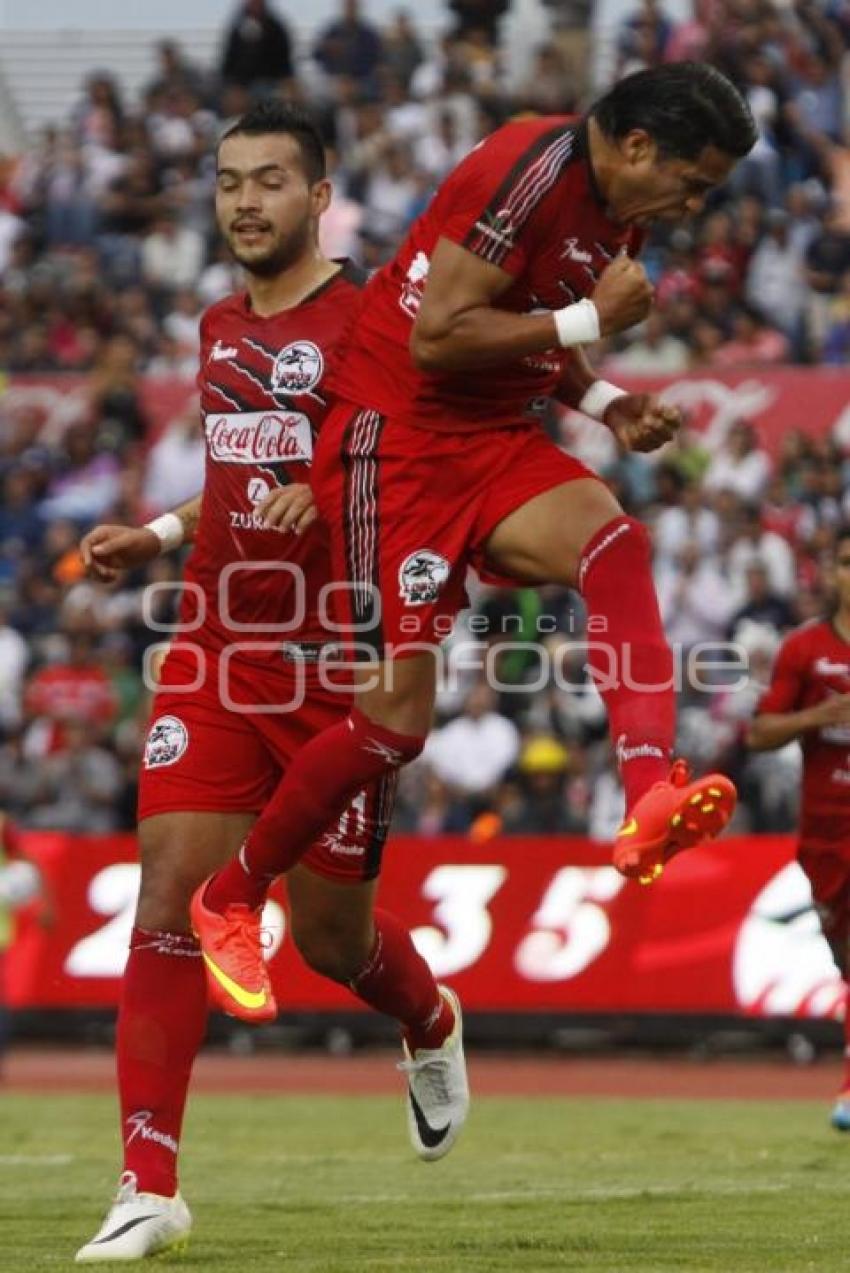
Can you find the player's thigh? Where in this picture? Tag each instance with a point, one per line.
(331, 921)
(177, 852)
(542, 541)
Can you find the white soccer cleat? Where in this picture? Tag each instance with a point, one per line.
(437, 1090)
(138, 1225)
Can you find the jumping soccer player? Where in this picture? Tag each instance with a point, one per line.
(251, 634)
(809, 699)
(435, 457)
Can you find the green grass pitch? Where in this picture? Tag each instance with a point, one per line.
(328, 1185)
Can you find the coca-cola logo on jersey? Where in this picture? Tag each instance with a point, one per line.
(259, 437)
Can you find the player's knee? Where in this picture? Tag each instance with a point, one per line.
(164, 897)
(331, 950)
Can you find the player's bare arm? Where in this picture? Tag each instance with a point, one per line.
(459, 326)
(639, 421)
(108, 550)
(774, 730)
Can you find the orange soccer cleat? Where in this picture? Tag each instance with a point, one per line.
(232, 949)
(671, 816)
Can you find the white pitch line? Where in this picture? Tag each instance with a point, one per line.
(36, 1160)
(602, 1194)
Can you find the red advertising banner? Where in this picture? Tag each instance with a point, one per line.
(519, 924)
(774, 400)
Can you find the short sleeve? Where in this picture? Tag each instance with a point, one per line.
(489, 200)
(202, 352)
(786, 684)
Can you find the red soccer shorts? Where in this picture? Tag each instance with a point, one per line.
(206, 753)
(829, 875)
(410, 510)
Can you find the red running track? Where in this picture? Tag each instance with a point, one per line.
(492, 1074)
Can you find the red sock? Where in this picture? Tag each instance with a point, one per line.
(628, 652)
(845, 1086)
(398, 981)
(320, 782)
(161, 1026)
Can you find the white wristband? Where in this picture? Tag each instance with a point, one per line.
(577, 324)
(598, 398)
(168, 530)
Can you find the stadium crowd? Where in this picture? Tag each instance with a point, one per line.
(108, 255)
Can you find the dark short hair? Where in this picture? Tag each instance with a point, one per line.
(842, 533)
(684, 106)
(273, 116)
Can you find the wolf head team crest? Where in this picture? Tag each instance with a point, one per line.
(297, 368)
(421, 576)
(166, 742)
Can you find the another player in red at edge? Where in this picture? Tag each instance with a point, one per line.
(809, 699)
(435, 456)
(211, 763)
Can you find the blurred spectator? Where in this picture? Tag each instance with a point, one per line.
(775, 284)
(693, 595)
(827, 261)
(175, 72)
(14, 658)
(349, 46)
(751, 343)
(761, 605)
(473, 16)
(550, 86)
(543, 805)
(653, 350)
(402, 48)
(473, 752)
(62, 693)
(751, 544)
(687, 521)
(87, 483)
(257, 51)
(172, 255)
(740, 465)
(78, 787)
(175, 465)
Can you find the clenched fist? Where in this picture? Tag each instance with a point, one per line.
(640, 422)
(622, 296)
(288, 508)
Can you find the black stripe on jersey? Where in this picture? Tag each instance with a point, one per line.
(361, 526)
(255, 379)
(229, 396)
(533, 175)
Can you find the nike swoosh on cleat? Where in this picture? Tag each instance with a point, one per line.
(124, 1228)
(245, 998)
(628, 828)
(430, 1136)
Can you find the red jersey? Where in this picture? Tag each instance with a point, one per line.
(263, 398)
(814, 663)
(526, 200)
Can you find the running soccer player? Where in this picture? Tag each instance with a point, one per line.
(435, 456)
(809, 700)
(251, 635)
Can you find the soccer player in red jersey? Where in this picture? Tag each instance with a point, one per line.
(240, 692)
(435, 457)
(809, 699)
